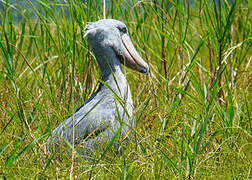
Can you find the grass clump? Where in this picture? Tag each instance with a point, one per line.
(192, 111)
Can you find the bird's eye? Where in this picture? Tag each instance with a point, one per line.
(123, 29)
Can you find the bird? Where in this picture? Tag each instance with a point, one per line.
(108, 113)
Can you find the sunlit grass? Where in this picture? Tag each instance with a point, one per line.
(192, 111)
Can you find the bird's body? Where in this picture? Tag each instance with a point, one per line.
(110, 108)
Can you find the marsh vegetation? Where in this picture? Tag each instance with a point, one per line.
(192, 111)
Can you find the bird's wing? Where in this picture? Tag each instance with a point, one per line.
(88, 121)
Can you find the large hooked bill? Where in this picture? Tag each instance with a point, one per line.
(131, 58)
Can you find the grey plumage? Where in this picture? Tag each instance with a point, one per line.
(110, 108)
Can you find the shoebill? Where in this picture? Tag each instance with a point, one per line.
(108, 113)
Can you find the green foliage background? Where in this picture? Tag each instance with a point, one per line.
(192, 110)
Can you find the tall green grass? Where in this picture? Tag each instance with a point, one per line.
(192, 111)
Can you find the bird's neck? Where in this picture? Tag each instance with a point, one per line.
(114, 79)
(112, 74)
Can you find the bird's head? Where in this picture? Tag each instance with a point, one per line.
(112, 35)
